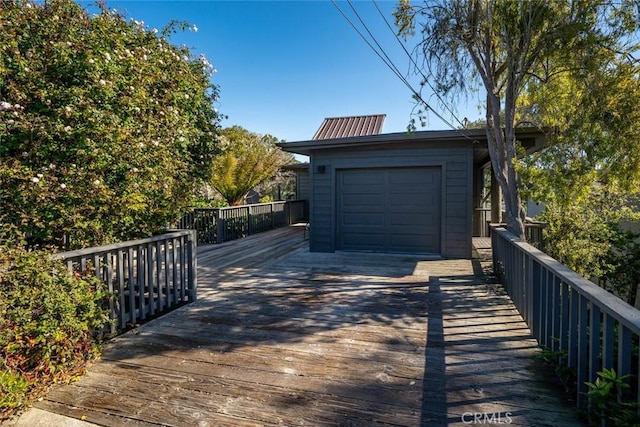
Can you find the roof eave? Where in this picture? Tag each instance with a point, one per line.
(470, 135)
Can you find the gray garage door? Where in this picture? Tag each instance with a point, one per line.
(389, 210)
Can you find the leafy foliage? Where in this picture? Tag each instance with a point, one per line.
(247, 159)
(606, 406)
(104, 125)
(504, 46)
(49, 321)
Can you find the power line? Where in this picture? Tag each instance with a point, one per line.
(424, 77)
(388, 61)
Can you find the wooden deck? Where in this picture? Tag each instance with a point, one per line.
(281, 336)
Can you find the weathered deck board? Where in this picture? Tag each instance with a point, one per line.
(281, 336)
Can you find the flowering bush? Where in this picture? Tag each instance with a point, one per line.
(105, 126)
(49, 323)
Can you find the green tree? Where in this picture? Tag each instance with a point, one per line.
(247, 159)
(589, 174)
(104, 125)
(502, 45)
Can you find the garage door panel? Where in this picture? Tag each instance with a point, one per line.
(363, 189)
(409, 240)
(363, 241)
(389, 209)
(414, 220)
(365, 219)
(399, 201)
(410, 176)
(366, 178)
(371, 199)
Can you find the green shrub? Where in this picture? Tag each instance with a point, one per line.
(105, 126)
(49, 321)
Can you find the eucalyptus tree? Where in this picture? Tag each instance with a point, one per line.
(502, 46)
(246, 160)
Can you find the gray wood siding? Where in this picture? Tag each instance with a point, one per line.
(455, 159)
(303, 186)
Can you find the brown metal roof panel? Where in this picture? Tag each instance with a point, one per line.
(341, 127)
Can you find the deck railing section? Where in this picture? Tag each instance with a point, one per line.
(589, 328)
(217, 225)
(144, 277)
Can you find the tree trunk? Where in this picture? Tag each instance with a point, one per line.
(502, 161)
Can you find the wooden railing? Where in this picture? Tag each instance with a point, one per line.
(144, 277)
(587, 327)
(217, 225)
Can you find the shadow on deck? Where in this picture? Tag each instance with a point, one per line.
(283, 336)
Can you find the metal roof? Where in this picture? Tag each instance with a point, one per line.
(342, 127)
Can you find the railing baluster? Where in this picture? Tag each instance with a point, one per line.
(574, 327)
(534, 295)
(159, 276)
(564, 317)
(556, 312)
(566, 312)
(122, 312)
(583, 347)
(133, 284)
(142, 307)
(608, 341)
(624, 352)
(594, 342)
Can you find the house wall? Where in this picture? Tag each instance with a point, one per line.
(303, 185)
(454, 158)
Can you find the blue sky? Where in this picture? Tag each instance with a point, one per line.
(283, 66)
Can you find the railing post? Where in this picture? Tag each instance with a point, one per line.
(220, 226)
(193, 266)
(273, 219)
(249, 220)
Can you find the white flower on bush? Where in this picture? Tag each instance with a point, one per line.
(63, 186)
(96, 182)
(102, 82)
(137, 109)
(4, 105)
(35, 180)
(154, 31)
(67, 109)
(195, 29)
(134, 170)
(40, 175)
(107, 56)
(67, 129)
(25, 154)
(91, 61)
(186, 96)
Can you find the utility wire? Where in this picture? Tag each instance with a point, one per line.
(388, 62)
(425, 79)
